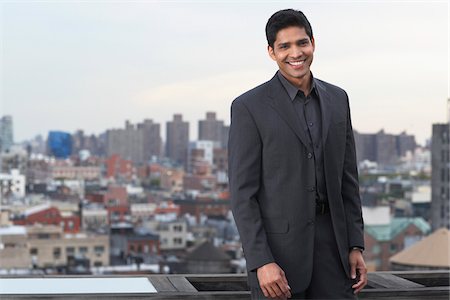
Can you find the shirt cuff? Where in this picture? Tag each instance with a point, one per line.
(357, 248)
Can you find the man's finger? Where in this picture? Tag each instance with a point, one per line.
(271, 292)
(265, 292)
(277, 290)
(353, 271)
(360, 284)
(284, 288)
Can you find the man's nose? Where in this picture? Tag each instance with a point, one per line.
(297, 51)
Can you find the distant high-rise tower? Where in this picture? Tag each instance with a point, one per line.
(6, 133)
(59, 144)
(440, 176)
(211, 129)
(177, 139)
(383, 148)
(137, 143)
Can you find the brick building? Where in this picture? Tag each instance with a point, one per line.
(49, 215)
(384, 240)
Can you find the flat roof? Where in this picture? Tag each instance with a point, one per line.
(39, 286)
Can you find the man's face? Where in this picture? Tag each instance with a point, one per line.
(293, 51)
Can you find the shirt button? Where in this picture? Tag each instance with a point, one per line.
(310, 155)
(310, 124)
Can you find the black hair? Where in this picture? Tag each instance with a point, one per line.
(283, 19)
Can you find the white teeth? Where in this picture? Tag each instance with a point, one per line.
(296, 63)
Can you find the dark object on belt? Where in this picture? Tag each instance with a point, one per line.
(322, 208)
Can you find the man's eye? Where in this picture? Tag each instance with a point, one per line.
(283, 46)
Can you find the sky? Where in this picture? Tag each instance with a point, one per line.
(91, 65)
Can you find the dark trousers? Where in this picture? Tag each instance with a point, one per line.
(329, 280)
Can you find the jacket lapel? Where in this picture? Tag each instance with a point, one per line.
(282, 104)
(325, 107)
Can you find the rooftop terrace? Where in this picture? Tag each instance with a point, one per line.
(409, 285)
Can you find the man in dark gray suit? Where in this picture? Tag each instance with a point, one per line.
(293, 176)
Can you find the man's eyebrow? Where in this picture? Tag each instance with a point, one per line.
(305, 40)
(284, 44)
(300, 41)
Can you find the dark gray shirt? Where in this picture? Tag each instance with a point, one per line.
(308, 110)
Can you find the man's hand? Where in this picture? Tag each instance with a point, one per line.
(358, 268)
(273, 282)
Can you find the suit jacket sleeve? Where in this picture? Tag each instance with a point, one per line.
(350, 190)
(245, 154)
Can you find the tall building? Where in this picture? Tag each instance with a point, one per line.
(386, 148)
(211, 129)
(59, 144)
(383, 148)
(225, 133)
(137, 143)
(6, 133)
(177, 139)
(151, 138)
(405, 143)
(440, 178)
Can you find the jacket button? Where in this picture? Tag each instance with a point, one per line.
(312, 189)
(310, 155)
(310, 222)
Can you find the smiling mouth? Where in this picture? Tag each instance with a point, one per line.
(296, 63)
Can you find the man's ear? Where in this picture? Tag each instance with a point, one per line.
(313, 43)
(271, 52)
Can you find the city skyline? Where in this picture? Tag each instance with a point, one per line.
(91, 66)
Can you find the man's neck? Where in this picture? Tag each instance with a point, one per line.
(303, 84)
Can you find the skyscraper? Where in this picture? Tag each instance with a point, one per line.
(6, 133)
(383, 148)
(59, 144)
(211, 129)
(440, 178)
(177, 139)
(137, 143)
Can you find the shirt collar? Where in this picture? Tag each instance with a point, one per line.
(291, 89)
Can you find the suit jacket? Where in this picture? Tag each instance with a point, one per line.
(272, 179)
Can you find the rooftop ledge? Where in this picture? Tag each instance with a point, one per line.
(382, 285)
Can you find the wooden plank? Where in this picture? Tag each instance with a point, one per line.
(389, 281)
(181, 284)
(162, 283)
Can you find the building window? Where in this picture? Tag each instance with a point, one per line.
(393, 248)
(57, 253)
(139, 248)
(83, 250)
(99, 250)
(70, 251)
(132, 248)
(377, 263)
(146, 249)
(98, 264)
(34, 251)
(177, 241)
(376, 249)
